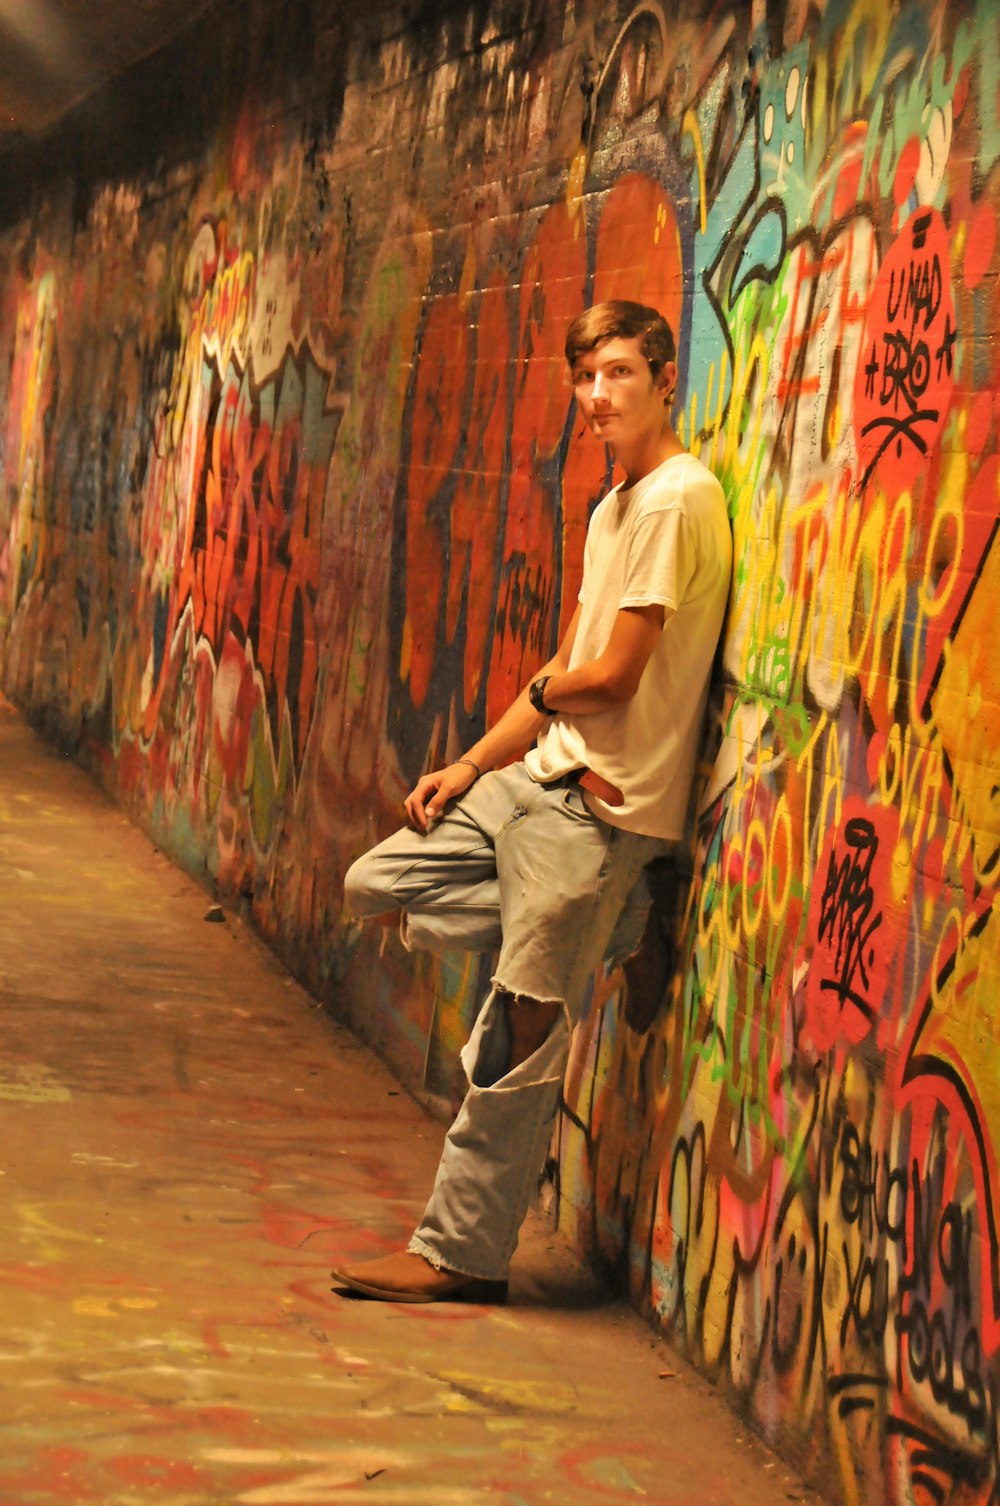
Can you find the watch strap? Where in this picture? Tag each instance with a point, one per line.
(536, 695)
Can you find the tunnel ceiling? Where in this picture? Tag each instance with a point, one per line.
(53, 53)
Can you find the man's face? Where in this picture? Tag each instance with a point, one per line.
(618, 397)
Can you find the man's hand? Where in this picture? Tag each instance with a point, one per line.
(433, 791)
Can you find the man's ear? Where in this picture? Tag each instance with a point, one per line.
(666, 382)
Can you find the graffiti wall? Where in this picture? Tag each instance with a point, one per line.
(293, 498)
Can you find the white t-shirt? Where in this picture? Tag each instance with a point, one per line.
(666, 539)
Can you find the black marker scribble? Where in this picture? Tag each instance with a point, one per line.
(846, 918)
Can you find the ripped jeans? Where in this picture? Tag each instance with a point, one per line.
(530, 868)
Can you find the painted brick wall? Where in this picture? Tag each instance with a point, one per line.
(292, 498)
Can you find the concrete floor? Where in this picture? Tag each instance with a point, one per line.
(187, 1145)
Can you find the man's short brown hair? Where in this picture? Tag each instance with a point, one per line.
(619, 319)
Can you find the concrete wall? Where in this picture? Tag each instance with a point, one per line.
(292, 499)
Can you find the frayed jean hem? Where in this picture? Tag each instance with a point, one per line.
(418, 1246)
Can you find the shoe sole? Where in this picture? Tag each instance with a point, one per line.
(473, 1290)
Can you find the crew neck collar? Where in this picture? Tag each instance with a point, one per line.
(625, 492)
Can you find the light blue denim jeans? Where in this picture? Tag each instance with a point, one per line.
(527, 869)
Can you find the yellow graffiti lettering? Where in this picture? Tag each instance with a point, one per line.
(731, 902)
(831, 797)
(716, 424)
(857, 608)
(808, 526)
(891, 594)
(945, 543)
(743, 452)
(224, 312)
(890, 765)
(691, 128)
(777, 900)
(756, 545)
(914, 774)
(710, 936)
(956, 956)
(752, 919)
(807, 761)
(948, 942)
(934, 596)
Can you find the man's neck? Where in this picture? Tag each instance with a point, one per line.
(637, 463)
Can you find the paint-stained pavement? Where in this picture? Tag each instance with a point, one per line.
(187, 1145)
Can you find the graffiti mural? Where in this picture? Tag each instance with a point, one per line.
(293, 498)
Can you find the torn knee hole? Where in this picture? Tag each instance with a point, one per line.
(531, 1022)
(534, 1007)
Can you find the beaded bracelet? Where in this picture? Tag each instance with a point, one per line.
(472, 765)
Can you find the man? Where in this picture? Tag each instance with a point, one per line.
(555, 845)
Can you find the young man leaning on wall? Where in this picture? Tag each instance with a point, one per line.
(545, 856)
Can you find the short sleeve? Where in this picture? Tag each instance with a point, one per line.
(661, 560)
(588, 559)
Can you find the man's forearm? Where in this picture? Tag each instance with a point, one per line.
(512, 735)
(587, 689)
(609, 680)
(612, 678)
(582, 690)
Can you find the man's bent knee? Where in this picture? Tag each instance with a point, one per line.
(363, 895)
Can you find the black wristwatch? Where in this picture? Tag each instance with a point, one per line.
(536, 695)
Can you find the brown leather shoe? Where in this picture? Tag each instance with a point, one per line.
(406, 1277)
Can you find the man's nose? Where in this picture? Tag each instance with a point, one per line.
(599, 390)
